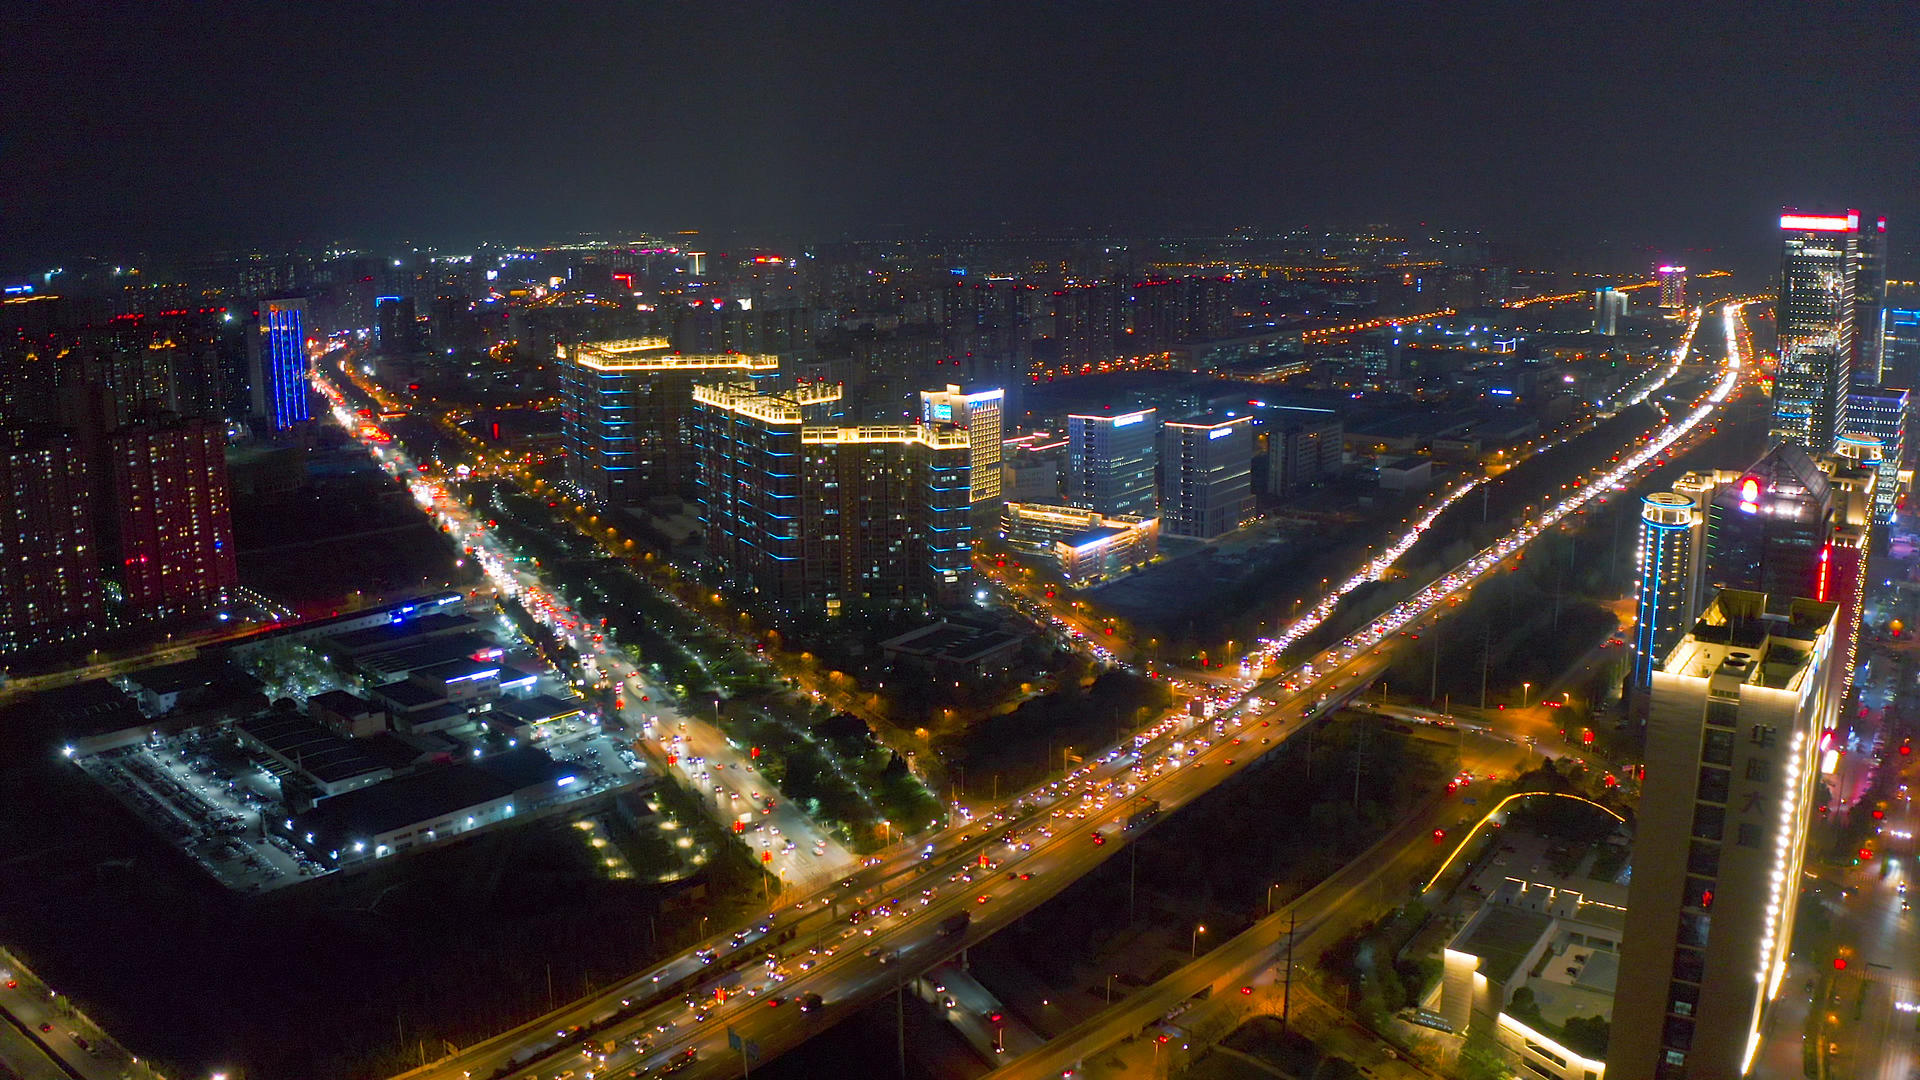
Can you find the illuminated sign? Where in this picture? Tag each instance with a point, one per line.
(1130, 418)
(1750, 495)
(1219, 433)
(1821, 222)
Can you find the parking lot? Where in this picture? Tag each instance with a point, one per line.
(207, 796)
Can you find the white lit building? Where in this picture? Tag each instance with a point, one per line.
(981, 414)
(1737, 713)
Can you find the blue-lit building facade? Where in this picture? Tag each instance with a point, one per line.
(279, 364)
(1882, 415)
(829, 517)
(626, 415)
(1111, 463)
(1900, 348)
(1668, 563)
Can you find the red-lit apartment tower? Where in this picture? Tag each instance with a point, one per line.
(49, 569)
(174, 543)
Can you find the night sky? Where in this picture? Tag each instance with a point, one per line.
(171, 127)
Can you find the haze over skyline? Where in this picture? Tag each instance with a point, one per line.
(175, 127)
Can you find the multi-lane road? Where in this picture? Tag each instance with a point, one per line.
(723, 775)
(1034, 846)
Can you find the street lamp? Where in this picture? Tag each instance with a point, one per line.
(1193, 943)
(1270, 889)
(1110, 979)
(1526, 688)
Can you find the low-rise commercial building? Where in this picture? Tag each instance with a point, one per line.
(311, 762)
(408, 812)
(1084, 544)
(1536, 956)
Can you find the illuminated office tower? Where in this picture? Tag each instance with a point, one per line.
(1765, 530)
(1111, 463)
(1737, 711)
(1823, 257)
(824, 516)
(277, 351)
(1609, 307)
(49, 562)
(981, 414)
(1900, 348)
(1870, 304)
(1669, 565)
(626, 414)
(1882, 414)
(1673, 287)
(1206, 475)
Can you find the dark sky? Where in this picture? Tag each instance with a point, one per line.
(170, 126)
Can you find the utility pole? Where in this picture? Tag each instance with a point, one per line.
(1486, 656)
(1359, 757)
(900, 1018)
(1433, 680)
(1133, 864)
(1286, 987)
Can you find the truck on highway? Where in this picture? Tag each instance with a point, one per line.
(955, 923)
(1140, 811)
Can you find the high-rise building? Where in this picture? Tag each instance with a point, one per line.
(1673, 287)
(1030, 467)
(1669, 565)
(1900, 348)
(396, 325)
(1795, 526)
(1609, 307)
(1111, 463)
(1766, 530)
(1822, 260)
(981, 414)
(277, 369)
(823, 515)
(172, 535)
(1870, 303)
(1303, 448)
(1738, 709)
(626, 415)
(1206, 475)
(1883, 414)
(49, 562)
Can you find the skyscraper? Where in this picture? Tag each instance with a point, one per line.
(1738, 708)
(172, 537)
(49, 564)
(1766, 530)
(823, 515)
(625, 415)
(1900, 348)
(1668, 557)
(981, 415)
(1870, 303)
(1206, 475)
(1883, 414)
(1673, 287)
(1822, 257)
(278, 368)
(1609, 307)
(1110, 463)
